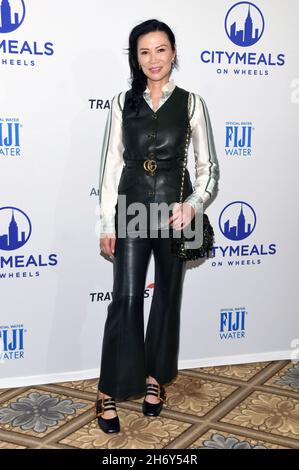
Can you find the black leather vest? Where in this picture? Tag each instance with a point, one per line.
(159, 135)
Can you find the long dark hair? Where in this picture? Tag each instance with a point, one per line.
(138, 78)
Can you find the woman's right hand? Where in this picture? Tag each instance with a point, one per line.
(107, 244)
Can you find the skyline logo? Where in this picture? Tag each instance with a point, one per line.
(12, 14)
(237, 220)
(232, 323)
(18, 228)
(244, 24)
(238, 139)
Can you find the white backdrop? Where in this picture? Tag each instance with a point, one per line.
(60, 65)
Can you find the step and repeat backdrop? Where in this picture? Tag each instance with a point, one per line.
(60, 65)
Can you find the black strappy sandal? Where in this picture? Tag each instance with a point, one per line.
(154, 409)
(107, 425)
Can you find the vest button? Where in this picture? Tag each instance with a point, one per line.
(153, 134)
(151, 155)
(154, 116)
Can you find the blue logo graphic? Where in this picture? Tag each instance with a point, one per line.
(232, 323)
(244, 24)
(237, 220)
(12, 342)
(12, 14)
(10, 137)
(238, 138)
(15, 228)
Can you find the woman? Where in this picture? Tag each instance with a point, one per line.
(142, 155)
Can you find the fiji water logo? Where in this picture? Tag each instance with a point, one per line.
(237, 220)
(12, 14)
(238, 139)
(232, 323)
(11, 342)
(15, 228)
(10, 137)
(244, 24)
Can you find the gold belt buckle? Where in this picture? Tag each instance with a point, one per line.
(150, 166)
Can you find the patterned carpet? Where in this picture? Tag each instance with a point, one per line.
(252, 405)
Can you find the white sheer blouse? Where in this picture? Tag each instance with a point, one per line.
(111, 164)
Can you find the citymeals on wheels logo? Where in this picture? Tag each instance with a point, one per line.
(237, 223)
(244, 25)
(15, 232)
(18, 52)
(10, 137)
(11, 342)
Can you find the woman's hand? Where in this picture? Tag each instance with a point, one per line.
(107, 244)
(182, 214)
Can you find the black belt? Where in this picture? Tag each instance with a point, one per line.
(151, 165)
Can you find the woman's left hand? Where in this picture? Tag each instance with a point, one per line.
(182, 214)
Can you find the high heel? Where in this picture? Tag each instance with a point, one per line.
(107, 425)
(154, 409)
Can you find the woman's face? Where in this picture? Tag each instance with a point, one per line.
(154, 55)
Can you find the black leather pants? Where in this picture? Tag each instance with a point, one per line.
(127, 356)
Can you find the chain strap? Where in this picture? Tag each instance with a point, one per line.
(185, 161)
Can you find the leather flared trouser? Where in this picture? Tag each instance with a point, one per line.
(129, 355)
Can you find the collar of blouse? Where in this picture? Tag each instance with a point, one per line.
(166, 89)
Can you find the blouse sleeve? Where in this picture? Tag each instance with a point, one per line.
(111, 165)
(206, 162)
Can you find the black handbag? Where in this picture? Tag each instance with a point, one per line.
(178, 244)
